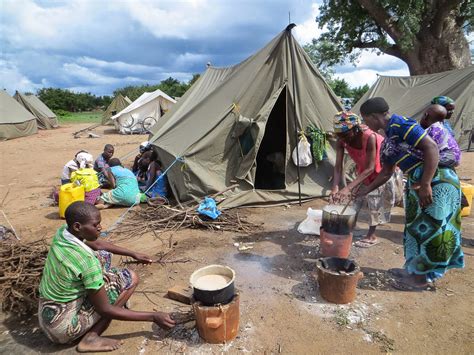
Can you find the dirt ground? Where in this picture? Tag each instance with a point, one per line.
(281, 309)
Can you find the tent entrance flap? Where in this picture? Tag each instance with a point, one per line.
(271, 157)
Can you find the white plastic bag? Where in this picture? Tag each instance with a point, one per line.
(312, 223)
(304, 152)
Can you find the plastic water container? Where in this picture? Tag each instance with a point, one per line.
(468, 191)
(69, 193)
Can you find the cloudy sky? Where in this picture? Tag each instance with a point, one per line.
(100, 45)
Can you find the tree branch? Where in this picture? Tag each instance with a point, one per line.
(392, 50)
(442, 11)
(382, 18)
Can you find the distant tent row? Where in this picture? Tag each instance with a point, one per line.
(147, 109)
(117, 105)
(45, 118)
(411, 95)
(22, 115)
(236, 126)
(15, 120)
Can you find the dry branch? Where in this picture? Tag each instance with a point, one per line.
(21, 265)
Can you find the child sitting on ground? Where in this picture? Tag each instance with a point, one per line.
(79, 296)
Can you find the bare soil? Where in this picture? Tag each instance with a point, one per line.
(281, 309)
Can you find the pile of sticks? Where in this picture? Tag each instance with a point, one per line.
(164, 218)
(21, 265)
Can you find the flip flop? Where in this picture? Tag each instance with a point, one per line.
(398, 272)
(366, 244)
(402, 286)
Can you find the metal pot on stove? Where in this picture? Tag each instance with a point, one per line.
(213, 284)
(335, 222)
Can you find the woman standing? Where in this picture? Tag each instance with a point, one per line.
(363, 146)
(432, 235)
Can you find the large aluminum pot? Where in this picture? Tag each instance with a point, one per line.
(336, 223)
(213, 284)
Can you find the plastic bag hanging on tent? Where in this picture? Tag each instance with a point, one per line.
(208, 208)
(304, 152)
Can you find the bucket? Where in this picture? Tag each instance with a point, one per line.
(337, 279)
(335, 222)
(69, 193)
(335, 244)
(218, 324)
(468, 191)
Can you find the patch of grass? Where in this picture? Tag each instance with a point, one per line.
(341, 316)
(80, 117)
(386, 344)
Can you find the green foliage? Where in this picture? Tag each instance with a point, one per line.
(316, 50)
(340, 87)
(359, 91)
(170, 86)
(393, 28)
(61, 99)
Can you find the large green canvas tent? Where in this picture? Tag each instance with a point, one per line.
(235, 123)
(45, 118)
(117, 105)
(411, 95)
(15, 120)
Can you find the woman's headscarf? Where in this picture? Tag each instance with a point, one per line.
(442, 100)
(344, 121)
(84, 160)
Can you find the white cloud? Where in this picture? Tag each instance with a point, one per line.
(12, 79)
(117, 66)
(176, 19)
(308, 30)
(360, 77)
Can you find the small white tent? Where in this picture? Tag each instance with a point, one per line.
(143, 113)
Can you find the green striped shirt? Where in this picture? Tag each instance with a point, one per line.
(69, 271)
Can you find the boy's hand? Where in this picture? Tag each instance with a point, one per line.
(142, 258)
(343, 195)
(332, 195)
(163, 320)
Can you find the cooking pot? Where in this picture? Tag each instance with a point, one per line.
(336, 223)
(213, 284)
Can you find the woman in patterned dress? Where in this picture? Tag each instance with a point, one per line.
(432, 235)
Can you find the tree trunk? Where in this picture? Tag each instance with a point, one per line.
(433, 55)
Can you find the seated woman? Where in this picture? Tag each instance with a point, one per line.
(88, 178)
(79, 293)
(142, 169)
(82, 159)
(156, 185)
(125, 191)
(144, 147)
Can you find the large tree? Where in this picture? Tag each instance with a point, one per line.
(428, 35)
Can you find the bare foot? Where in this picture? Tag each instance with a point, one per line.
(102, 206)
(94, 343)
(367, 242)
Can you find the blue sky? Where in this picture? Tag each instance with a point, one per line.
(98, 46)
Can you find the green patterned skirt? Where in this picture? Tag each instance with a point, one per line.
(66, 322)
(432, 236)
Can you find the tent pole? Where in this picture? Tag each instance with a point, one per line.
(293, 74)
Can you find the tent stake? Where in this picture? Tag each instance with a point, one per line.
(293, 74)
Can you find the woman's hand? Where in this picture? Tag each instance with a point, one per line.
(425, 194)
(163, 320)
(344, 195)
(142, 258)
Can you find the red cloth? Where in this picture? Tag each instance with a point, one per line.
(360, 155)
